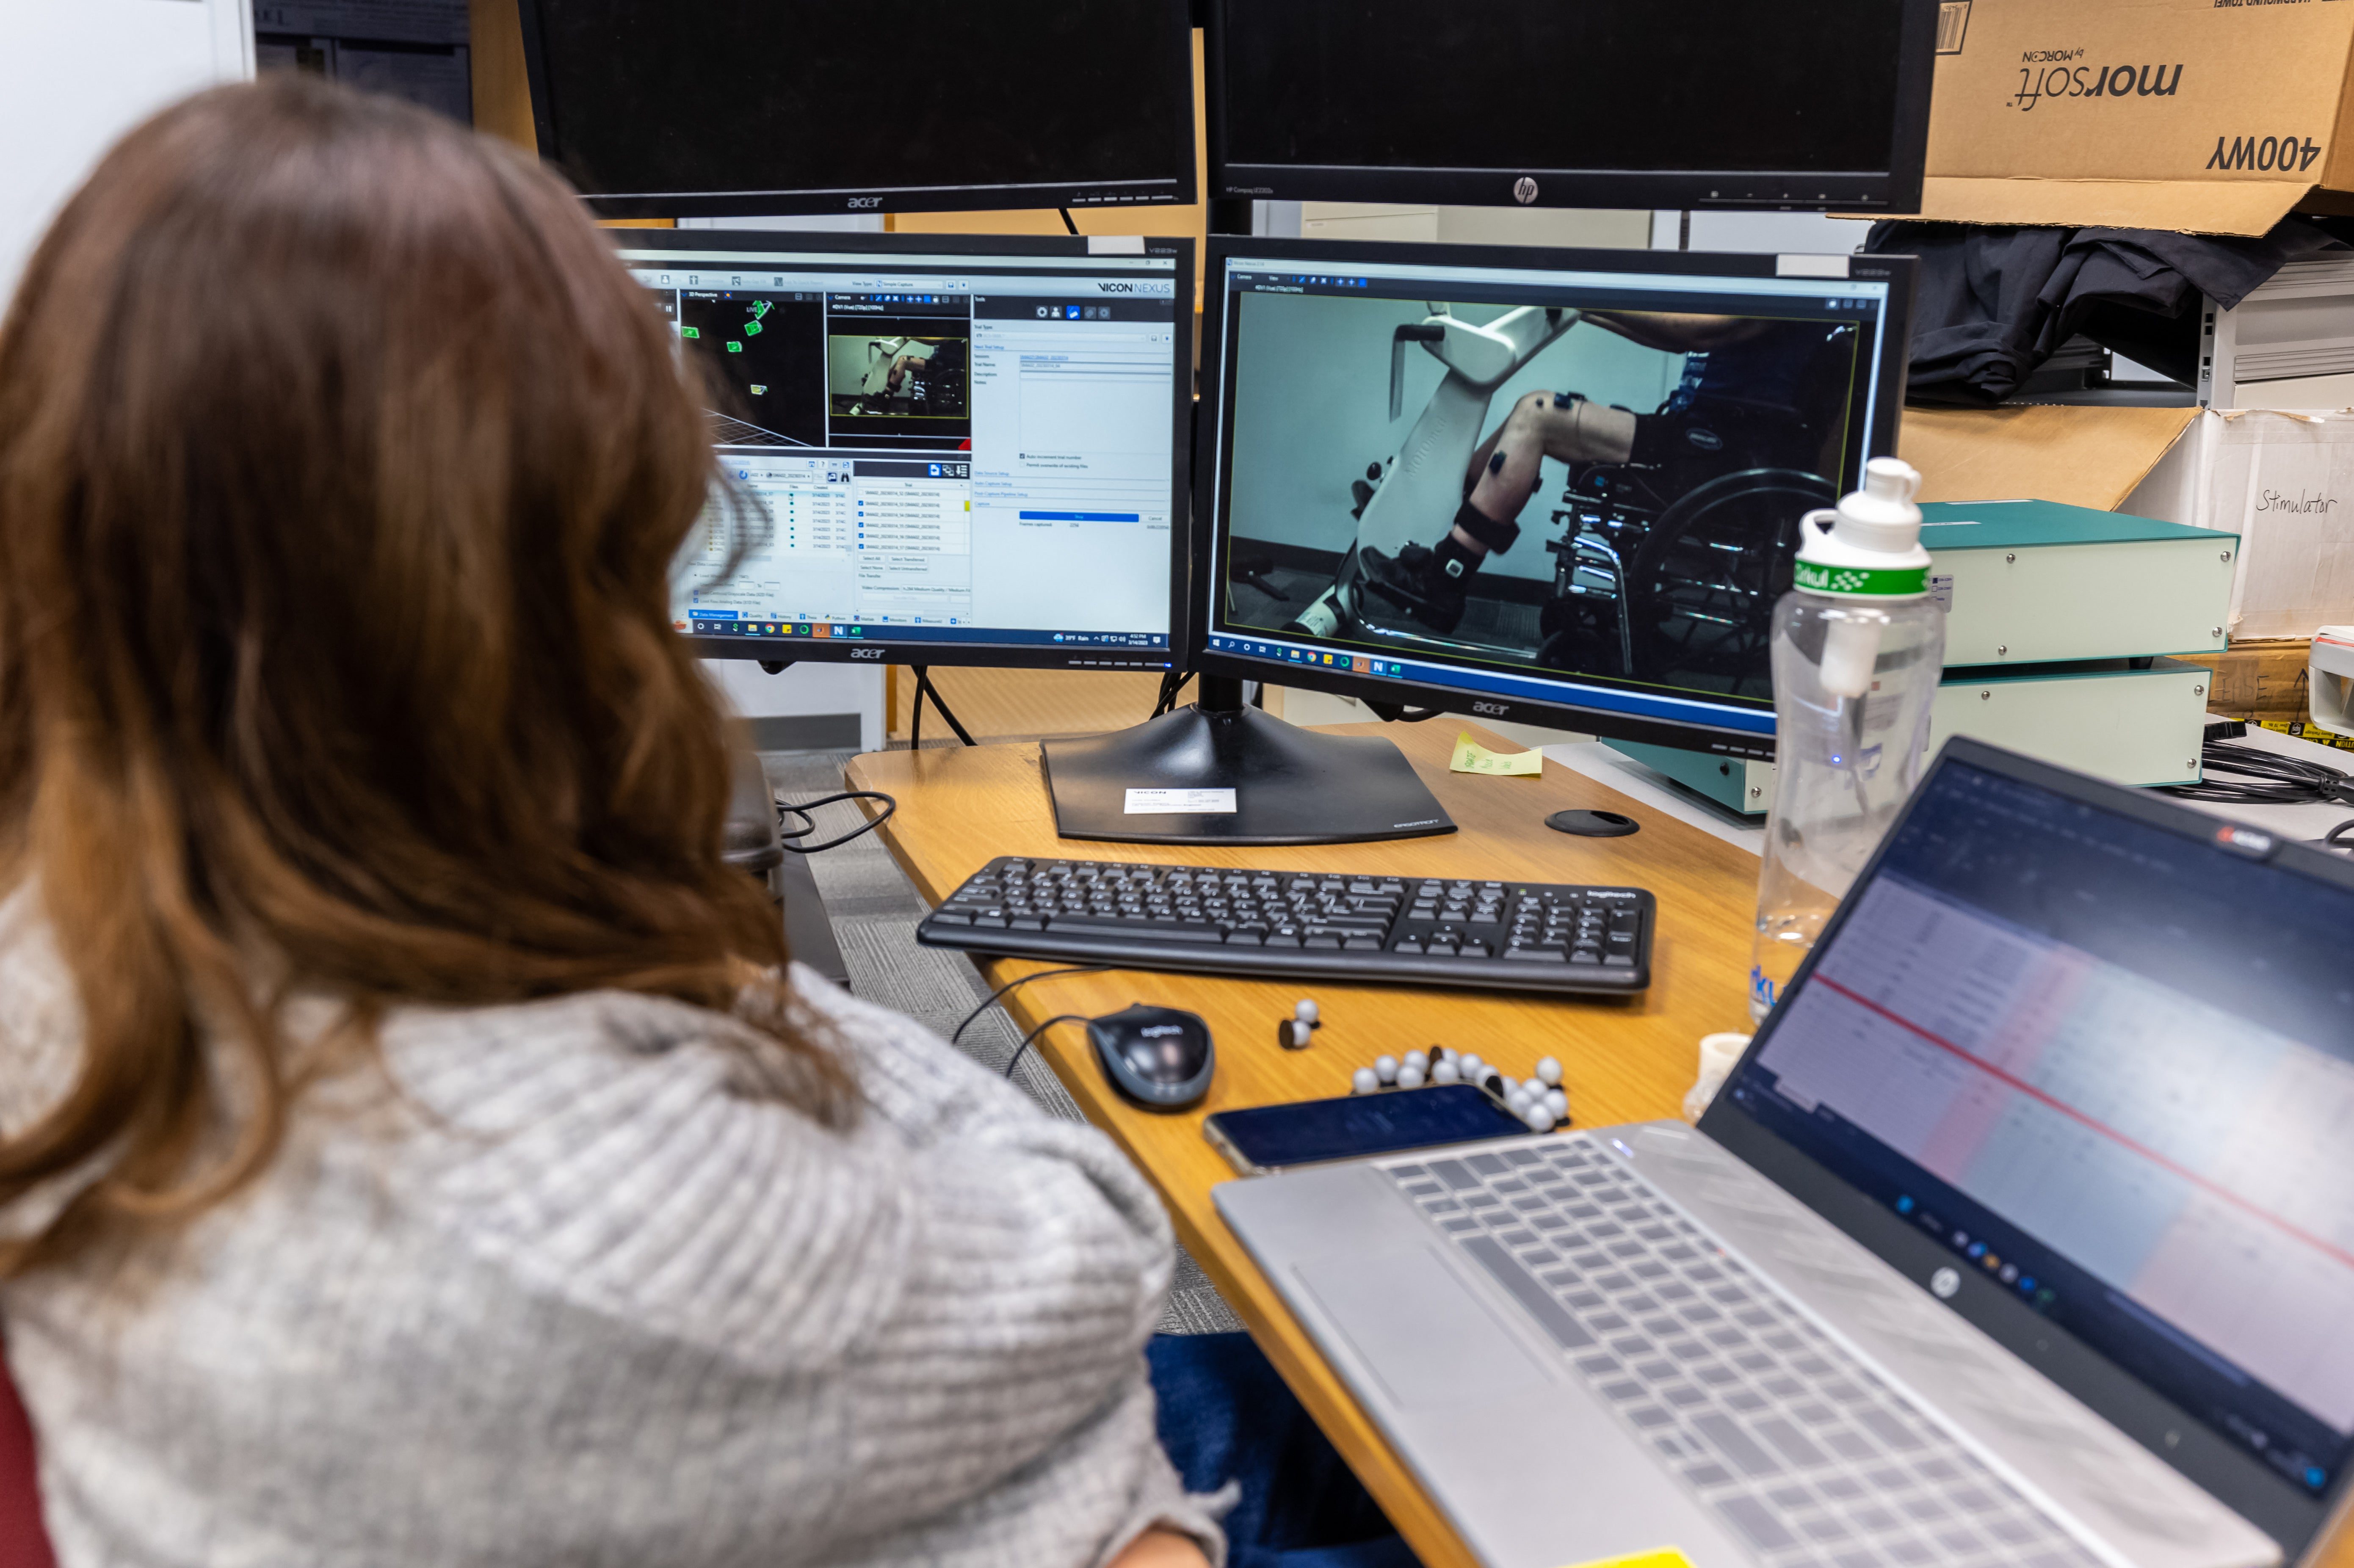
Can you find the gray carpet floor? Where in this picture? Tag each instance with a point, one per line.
(875, 909)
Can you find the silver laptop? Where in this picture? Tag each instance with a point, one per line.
(2023, 1235)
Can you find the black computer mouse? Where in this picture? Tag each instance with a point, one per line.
(1157, 1056)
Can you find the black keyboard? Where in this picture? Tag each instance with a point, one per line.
(1519, 936)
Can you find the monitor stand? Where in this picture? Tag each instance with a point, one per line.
(1262, 781)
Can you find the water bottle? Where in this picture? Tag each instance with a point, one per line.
(1858, 649)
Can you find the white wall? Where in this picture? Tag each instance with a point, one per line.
(1792, 233)
(75, 74)
(822, 691)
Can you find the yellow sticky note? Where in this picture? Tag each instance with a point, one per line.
(1666, 1557)
(1470, 757)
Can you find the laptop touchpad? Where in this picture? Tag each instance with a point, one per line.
(1425, 1337)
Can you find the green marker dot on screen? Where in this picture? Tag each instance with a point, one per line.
(734, 348)
(751, 329)
(690, 332)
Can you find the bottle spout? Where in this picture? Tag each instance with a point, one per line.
(1891, 479)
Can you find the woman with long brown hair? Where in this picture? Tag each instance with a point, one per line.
(414, 1148)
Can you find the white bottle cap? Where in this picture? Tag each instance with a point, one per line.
(1869, 547)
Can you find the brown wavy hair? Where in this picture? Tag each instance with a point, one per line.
(343, 471)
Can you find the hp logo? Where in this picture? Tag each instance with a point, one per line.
(1524, 190)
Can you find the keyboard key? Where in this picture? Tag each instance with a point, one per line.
(1158, 931)
(1454, 1173)
(1791, 1443)
(1538, 1301)
(1888, 1429)
(1758, 1526)
(1737, 1445)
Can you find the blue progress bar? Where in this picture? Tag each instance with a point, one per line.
(1081, 517)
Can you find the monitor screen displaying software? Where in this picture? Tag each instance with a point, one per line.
(2051, 1040)
(964, 457)
(1569, 489)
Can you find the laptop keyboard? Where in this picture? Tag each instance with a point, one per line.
(1801, 1451)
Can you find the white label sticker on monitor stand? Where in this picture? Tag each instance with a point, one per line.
(1161, 803)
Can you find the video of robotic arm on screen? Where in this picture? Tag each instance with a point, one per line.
(1683, 446)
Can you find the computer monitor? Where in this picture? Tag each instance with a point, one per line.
(1557, 487)
(935, 449)
(716, 108)
(1722, 104)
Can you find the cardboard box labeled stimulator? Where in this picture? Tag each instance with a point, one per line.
(2215, 116)
(2281, 480)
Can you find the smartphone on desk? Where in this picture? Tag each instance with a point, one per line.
(1267, 1138)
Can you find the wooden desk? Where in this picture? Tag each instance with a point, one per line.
(1622, 1061)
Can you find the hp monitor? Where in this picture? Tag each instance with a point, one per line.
(703, 107)
(1560, 487)
(1557, 487)
(1691, 103)
(935, 449)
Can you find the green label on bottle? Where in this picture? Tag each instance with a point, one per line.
(1862, 582)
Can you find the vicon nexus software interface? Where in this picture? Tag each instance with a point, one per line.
(952, 450)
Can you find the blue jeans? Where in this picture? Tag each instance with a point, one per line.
(1225, 1416)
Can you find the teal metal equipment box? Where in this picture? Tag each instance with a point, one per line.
(2058, 621)
(2034, 582)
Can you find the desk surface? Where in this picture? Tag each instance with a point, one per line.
(1622, 1060)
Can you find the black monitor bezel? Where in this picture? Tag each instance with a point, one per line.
(1076, 195)
(1877, 193)
(983, 248)
(1210, 492)
(2172, 1435)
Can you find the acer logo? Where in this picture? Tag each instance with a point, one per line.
(866, 652)
(862, 203)
(1495, 709)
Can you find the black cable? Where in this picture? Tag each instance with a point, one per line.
(958, 1033)
(802, 810)
(1171, 685)
(1066, 219)
(2254, 776)
(2340, 838)
(1058, 1018)
(923, 688)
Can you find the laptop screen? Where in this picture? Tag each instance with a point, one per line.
(2111, 1068)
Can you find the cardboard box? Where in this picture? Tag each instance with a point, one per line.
(2215, 116)
(2282, 479)
(2262, 682)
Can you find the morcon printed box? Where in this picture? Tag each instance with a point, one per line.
(2212, 116)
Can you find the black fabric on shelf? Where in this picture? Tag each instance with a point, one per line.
(1995, 303)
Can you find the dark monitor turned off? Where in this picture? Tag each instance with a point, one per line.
(1719, 104)
(704, 108)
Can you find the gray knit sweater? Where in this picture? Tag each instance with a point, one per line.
(572, 1295)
